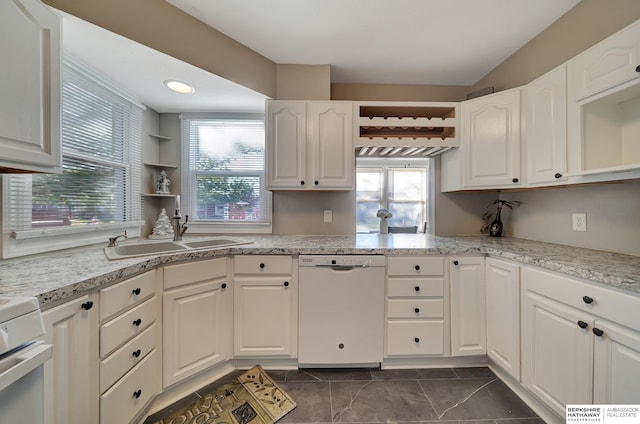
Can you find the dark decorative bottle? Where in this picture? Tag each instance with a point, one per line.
(495, 230)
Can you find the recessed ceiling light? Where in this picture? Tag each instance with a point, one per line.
(179, 86)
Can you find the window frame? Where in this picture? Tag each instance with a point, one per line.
(189, 181)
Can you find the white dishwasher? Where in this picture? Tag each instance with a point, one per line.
(341, 310)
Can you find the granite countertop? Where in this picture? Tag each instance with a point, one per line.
(56, 276)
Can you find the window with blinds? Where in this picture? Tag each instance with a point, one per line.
(224, 169)
(100, 183)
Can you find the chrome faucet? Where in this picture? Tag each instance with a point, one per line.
(179, 229)
(113, 240)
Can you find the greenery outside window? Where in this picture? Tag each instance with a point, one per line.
(399, 185)
(223, 180)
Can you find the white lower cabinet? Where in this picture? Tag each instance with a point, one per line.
(416, 307)
(265, 319)
(468, 315)
(71, 392)
(579, 343)
(196, 307)
(502, 280)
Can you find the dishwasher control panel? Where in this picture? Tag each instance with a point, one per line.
(342, 260)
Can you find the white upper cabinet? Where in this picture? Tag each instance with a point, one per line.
(490, 142)
(309, 146)
(611, 62)
(546, 128)
(30, 105)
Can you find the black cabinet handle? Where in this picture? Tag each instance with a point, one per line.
(416, 310)
(515, 180)
(301, 182)
(582, 324)
(558, 175)
(87, 305)
(417, 267)
(456, 263)
(598, 332)
(136, 291)
(638, 68)
(286, 284)
(417, 340)
(137, 322)
(136, 353)
(224, 285)
(588, 300)
(261, 266)
(137, 393)
(417, 288)
(315, 182)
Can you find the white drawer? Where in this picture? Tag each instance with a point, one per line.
(262, 264)
(119, 330)
(415, 308)
(125, 358)
(118, 297)
(194, 272)
(120, 403)
(415, 266)
(415, 338)
(415, 287)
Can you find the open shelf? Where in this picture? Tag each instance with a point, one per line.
(158, 195)
(160, 165)
(159, 137)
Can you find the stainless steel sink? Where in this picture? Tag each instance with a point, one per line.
(145, 247)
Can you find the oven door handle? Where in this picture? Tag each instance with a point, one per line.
(24, 363)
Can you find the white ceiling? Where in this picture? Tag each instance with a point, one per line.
(451, 42)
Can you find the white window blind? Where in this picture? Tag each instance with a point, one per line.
(224, 170)
(100, 183)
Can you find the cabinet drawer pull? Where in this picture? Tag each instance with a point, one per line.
(137, 393)
(558, 175)
(417, 288)
(136, 353)
(416, 310)
(456, 263)
(582, 324)
(136, 291)
(638, 68)
(515, 180)
(417, 267)
(588, 300)
(598, 332)
(416, 339)
(137, 322)
(286, 284)
(224, 285)
(87, 305)
(261, 266)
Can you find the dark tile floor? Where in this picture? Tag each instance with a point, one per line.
(443, 395)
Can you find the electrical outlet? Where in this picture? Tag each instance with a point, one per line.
(579, 222)
(328, 215)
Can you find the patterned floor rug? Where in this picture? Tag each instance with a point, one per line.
(252, 399)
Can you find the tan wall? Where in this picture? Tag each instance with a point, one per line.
(391, 92)
(163, 27)
(583, 26)
(302, 213)
(303, 82)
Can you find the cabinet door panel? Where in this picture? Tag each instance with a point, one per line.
(468, 315)
(286, 144)
(616, 377)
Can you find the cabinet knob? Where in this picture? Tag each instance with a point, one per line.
(341, 346)
(638, 68)
(582, 324)
(416, 339)
(588, 300)
(261, 266)
(286, 284)
(417, 267)
(137, 393)
(87, 305)
(315, 183)
(598, 332)
(137, 322)
(416, 310)
(515, 180)
(456, 263)
(417, 288)
(558, 175)
(224, 285)
(301, 182)
(136, 353)
(136, 291)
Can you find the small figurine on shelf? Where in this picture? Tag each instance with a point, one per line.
(162, 229)
(163, 183)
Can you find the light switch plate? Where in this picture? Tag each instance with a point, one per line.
(328, 215)
(579, 221)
